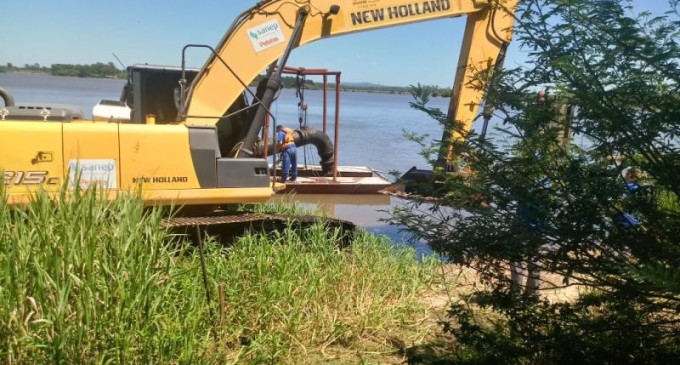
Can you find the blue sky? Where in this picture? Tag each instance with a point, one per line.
(154, 32)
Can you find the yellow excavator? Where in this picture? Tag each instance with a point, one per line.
(195, 136)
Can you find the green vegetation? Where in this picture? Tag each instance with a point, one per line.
(83, 280)
(34, 68)
(96, 70)
(555, 206)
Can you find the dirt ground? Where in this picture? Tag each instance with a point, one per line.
(456, 282)
(453, 284)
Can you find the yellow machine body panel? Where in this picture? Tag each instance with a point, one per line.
(114, 157)
(91, 154)
(156, 157)
(31, 157)
(208, 196)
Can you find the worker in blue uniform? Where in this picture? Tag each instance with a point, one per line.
(631, 187)
(286, 144)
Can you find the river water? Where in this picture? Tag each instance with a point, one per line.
(371, 133)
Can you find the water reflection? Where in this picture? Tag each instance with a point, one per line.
(366, 210)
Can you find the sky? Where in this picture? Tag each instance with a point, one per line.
(154, 31)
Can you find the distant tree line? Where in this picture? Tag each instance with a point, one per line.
(96, 70)
(109, 70)
(291, 82)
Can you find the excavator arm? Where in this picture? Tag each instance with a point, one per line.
(268, 32)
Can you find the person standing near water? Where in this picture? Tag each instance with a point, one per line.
(286, 144)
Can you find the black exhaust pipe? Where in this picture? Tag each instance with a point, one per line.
(303, 137)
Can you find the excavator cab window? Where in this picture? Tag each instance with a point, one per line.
(151, 91)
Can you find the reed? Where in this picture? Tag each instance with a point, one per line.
(84, 280)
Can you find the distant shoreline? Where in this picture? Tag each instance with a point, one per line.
(25, 72)
(101, 71)
(95, 70)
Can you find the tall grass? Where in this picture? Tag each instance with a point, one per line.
(291, 290)
(84, 280)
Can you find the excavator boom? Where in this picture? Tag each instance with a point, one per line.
(265, 33)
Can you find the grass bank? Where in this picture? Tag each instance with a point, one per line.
(84, 280)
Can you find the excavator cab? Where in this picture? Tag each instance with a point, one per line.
(147, 97)
(150, 91)
(151, 96)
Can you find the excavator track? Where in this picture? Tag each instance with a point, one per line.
(227, 227)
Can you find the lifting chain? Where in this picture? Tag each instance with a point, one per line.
(300, 81)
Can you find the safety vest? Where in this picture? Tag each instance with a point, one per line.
(289, 137)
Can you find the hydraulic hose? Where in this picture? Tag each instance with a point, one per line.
(309, 136)
(273, 86)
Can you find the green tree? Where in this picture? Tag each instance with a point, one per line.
(621, 75)
(99, 70)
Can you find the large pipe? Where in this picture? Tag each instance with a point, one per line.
(305, 136)
(7, 97)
